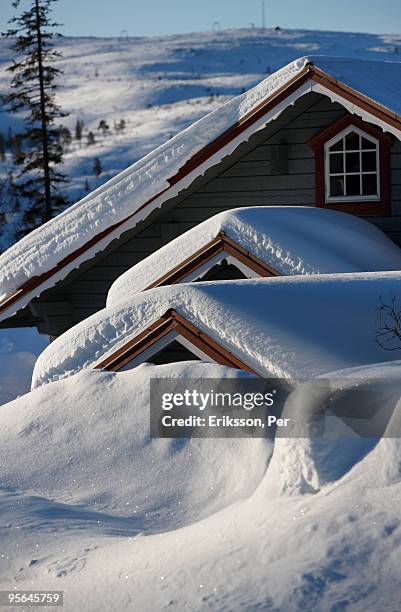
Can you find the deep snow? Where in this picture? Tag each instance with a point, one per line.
(90, 436)
(114, 519)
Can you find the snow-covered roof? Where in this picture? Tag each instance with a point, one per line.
(289, 239)
(375, 80)
(369, 89)
(299, 326)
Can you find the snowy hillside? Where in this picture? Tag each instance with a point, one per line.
(160, 85)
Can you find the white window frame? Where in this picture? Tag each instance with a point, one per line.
(327, 174)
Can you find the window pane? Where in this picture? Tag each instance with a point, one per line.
(369, 161)
(352, 162)
(353, 185)
(368, 144)
(352, 141)
(338, 146)
(369, 184)
(336, 163)
(336, 186)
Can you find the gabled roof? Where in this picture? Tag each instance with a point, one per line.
(265, 241)
(285, 326)
(369, 89)
(170, 326)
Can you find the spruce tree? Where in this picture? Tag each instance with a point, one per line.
(103, 126)
(97, 167)
(66, 136)
(78, 130)
(120, 126)
(33, 87)
(90, 139)
(2, 147)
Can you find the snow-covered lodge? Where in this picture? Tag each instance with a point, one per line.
(321, 132)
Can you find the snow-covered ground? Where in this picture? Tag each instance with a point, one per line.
(118, 521)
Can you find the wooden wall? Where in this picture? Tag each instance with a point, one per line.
(275, 167)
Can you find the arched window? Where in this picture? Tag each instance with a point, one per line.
(352, 167)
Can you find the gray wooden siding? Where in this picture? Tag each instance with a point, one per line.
(275, 167)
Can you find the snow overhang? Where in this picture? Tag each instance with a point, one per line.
(264, 241)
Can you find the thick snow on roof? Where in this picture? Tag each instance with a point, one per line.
(290, 239)
(299, 326)
(379, 81)
(124, 195)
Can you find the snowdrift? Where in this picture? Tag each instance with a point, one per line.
(290, 239)
(85, 441)
(78, 468)
(300, 326)
(306, 464)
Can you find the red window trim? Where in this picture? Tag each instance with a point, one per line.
(377, 208)
(171, 320)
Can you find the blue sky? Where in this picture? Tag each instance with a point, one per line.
(149, 17)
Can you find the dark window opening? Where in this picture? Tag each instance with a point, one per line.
(222, 271)
(172, 353)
